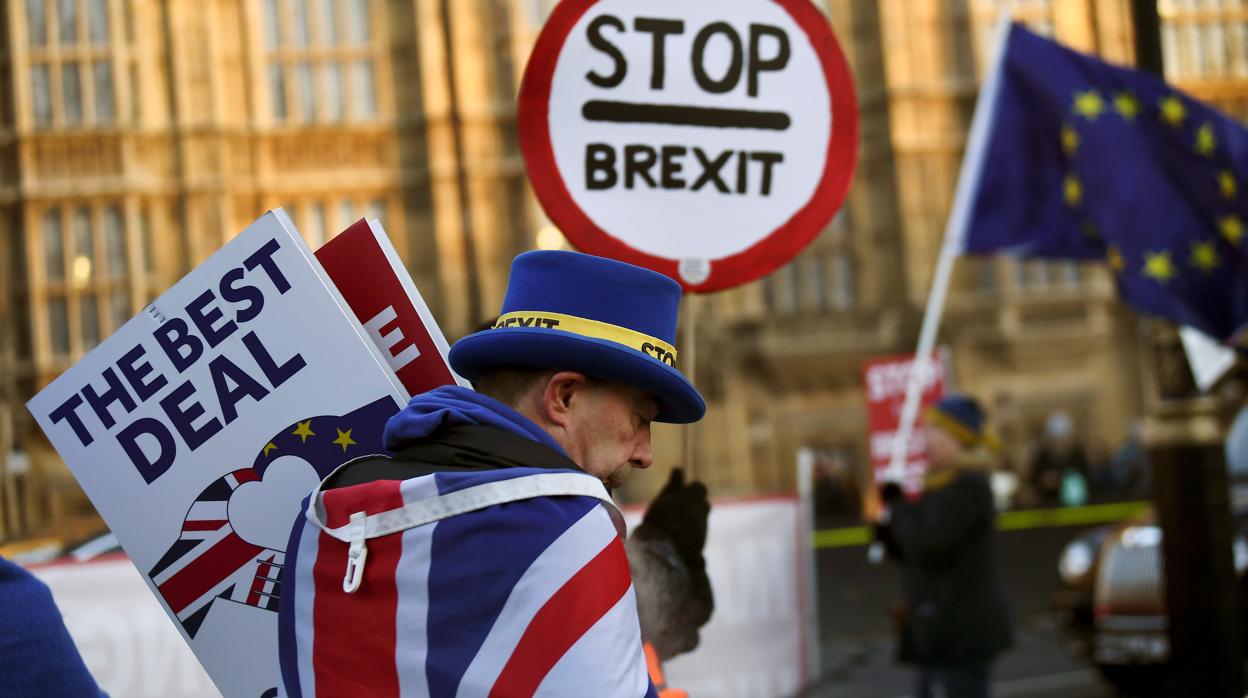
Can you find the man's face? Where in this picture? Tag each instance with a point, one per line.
(942, 448)
(612, 431)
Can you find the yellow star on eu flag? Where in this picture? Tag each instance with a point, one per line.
(1173, 111)
(1157, 265)
(1226, 182)
(344, 439)
(1126, 105)
(1089, 104)
(1205, 140)
(1205, 255)
(1114, 257)
(1070, 140)
(303, 430)
(269, 447)
(1232, 229)
(1072, 189)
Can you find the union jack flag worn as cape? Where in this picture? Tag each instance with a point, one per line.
(500, 583)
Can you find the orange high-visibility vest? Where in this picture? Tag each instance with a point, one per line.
(656, 675)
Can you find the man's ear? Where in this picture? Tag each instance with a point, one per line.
(561, 390)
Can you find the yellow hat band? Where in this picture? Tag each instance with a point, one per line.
(936, 417)
(956, 429)
(652, 346)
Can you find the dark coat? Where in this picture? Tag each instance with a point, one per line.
(956, 611)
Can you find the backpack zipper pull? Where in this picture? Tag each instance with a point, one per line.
(356, 554)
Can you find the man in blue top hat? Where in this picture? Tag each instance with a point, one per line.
(485, 556)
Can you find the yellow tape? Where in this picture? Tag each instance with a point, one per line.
(841, 537)
(585, 327)
(1006, 521)
(1071, 516)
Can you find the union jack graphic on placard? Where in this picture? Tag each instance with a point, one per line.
(209, 560)
(212, 561)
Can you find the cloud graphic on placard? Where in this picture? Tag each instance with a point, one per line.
(262, 512)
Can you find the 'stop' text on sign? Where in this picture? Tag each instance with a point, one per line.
(720, 132)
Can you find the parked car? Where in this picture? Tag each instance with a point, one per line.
(1112, 600)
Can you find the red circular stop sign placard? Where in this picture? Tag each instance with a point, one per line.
(709, 141)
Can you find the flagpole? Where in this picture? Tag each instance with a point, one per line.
(955, 234)
(690, 346)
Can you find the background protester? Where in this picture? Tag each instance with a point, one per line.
(1132, 467)
(1059, 468)
(837, 492)
(954, 619)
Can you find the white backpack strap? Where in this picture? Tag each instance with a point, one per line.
(556, 484)
(362, 527)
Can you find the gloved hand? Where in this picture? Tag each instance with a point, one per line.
(680, 510)
(891, 492)
(674, 596)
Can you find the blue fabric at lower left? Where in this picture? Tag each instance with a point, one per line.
(38, 658)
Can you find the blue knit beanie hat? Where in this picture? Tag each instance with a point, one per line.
(959, 415)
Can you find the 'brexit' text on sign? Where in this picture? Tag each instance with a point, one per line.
(730, 170)
(662, 133)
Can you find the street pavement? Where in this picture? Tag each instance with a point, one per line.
(854, 596)
(1038, 666)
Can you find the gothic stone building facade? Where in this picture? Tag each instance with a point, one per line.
(137, 135)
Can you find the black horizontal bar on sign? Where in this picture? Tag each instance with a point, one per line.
(677, 115)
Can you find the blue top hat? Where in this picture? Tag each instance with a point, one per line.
(603, 318)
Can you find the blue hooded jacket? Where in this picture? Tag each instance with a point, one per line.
(452, 404)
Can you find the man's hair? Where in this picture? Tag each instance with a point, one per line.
(509, 384)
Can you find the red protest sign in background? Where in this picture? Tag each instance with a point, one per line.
(885, 382)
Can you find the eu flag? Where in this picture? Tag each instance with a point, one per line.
(1090, 161)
